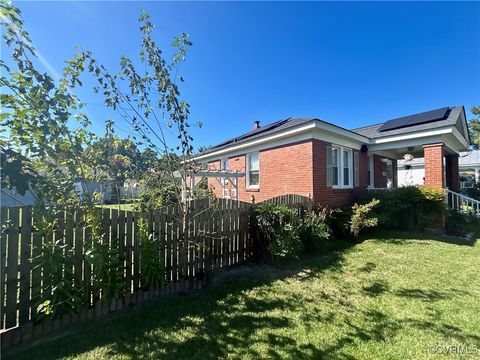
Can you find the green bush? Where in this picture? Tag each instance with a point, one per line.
(339, 222)
(361, 217)
(313, 229)
(473, 192)
(152, 269)
(282, 234)
(277, 234)
(459, 224)
(407, 208)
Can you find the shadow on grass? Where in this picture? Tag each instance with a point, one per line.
(207, 324)
(424, 295)
(227, 319)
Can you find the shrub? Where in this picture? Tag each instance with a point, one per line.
(473, 192)
(408, 208)
(286, 245)
(282, 234)
(107, 273)
(314, 229)
(59, 295)
(152, 269)
(459, 224)
(277, 235)
(361, 218)
(339, 222)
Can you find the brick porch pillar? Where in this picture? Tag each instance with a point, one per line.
(452, 175)
(433, 154)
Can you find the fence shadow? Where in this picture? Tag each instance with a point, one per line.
(224, 317)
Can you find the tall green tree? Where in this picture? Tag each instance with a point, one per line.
(39, 144)
(474, 127)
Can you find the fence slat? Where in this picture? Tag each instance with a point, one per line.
(128, 251)
(215, 234)
(136, 252)
(78, 247)
(3, 265)
(12, 269)
(87, 267)
(25, 254)
(121, 240)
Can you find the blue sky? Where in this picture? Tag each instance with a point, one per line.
(352, 64)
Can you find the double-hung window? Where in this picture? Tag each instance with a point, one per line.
(253, 171)
(340, 167)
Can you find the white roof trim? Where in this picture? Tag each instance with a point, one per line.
(302, 132)
(410, 136)
(330, 133)
(262, 140)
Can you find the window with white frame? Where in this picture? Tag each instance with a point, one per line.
(341, 167)
(335, 166)
(346, 167)
(253, 171)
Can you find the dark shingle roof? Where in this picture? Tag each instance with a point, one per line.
(372, 132)
(262, 131)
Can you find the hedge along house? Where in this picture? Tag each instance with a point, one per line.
(333, 165)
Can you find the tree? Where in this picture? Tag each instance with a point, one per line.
(40, 148)
(474, 127)
(157, 113)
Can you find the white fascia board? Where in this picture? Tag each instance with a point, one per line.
(311, 130)
(450, 130)
(460, 138)
(405, 143)
(411, 136)
(282, 137)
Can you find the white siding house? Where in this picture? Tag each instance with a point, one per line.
(413, 172)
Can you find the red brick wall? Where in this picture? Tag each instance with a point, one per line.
(283, 170)
(298, 168)
(327, 196)
(433, 154)
(452, 178)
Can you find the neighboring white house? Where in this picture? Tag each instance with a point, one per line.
(413, 172)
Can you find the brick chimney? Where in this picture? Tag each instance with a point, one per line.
(256, 125)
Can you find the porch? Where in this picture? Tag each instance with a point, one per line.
(438, 136)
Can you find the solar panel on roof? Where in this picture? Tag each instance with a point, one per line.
(253, 132)
(416, 119)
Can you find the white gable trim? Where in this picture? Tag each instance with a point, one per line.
(312, 130)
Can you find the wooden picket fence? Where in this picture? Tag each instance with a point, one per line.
(292, 200)
(215, 235)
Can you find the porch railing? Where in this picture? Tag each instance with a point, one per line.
(462, 203)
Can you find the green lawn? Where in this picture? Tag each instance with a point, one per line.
(124, 207)
(392, 297)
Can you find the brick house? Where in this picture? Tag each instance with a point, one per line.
(331, 164)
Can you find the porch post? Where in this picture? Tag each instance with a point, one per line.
(395, 173)
(452, 173)
(433, 154)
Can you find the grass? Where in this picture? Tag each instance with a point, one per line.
(391, 297)
(124, 207)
